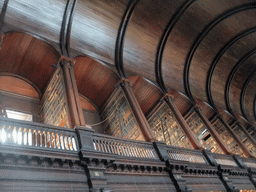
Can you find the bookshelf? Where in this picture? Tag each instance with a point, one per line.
(228, 139)
(202, 133)
(166, 128)
(54, 102)
(245, 140)
(120, 121)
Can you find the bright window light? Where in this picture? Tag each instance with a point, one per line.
(18, 115)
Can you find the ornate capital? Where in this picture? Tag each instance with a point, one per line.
(124, 82)
(64, 61)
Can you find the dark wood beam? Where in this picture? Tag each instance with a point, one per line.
(203, 34)
(66, 27)
(248, 80)
(63, 29)
(120, 37)
(4, 8)
(163, 40)
(218, 57)
(254, 103)
(232, 74)
(71, 17)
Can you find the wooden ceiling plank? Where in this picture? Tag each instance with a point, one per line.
(218, 57)
(163, 41)
(203, 34)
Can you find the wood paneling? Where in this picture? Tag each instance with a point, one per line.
(28, 57)
(87, 104)
(207, 110)
(147, 94)
(94, 80)
(95, 28)
(18, 86)
(181, 101)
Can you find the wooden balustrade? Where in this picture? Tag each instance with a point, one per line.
(182, 154)
(22, 133)
(124, 147)
(222, 159)
(249, 162)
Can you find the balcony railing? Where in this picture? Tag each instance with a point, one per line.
(22, 133)
(124, 147)
(222, 159)
(182, 154)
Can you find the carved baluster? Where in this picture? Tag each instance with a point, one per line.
(74, 143)
(44, 139)
(137, 151)
(39, 139)
(30, 137)
(57, 139)
(66, 142)
(19, 136)
(108, 146)
(111, 147)
(53, 140)
(34, 136)
(70, 143)
(14, 135)
(62, 142)
(48, 137)
(9, 134)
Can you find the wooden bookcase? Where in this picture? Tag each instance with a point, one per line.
(166, 128)
(202, 133)
(54, 102)
(119, 118)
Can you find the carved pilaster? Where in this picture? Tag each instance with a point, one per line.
(139, 115)
(245, 150)
(75, 108)
(192, 138)
(212, 130)
(246, 133)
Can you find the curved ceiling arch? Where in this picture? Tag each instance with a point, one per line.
(163, 41)
(231, 76)
(203, 34)
(254, 108)
(248, 80)
(120, 37)
(249, 100)
(16, 84)
(95, 80)
(182, 101)
(218, 57)
(147, 93)
(26, 56)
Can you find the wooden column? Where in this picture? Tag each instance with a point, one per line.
(139, 115)
(245, 150)
(189, 133)
(212, 130)
(75, 109)
(246, 133)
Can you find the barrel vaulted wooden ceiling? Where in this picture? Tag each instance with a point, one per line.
(205, 49)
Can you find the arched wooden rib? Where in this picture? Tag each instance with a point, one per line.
(71, 17)
(248, 80)
(254, 103)
(4, 8)
(203, 34)
(163, 40)
(218, 57)
(231, 75)
(63, 29)
(66, 32)
(120, 37)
